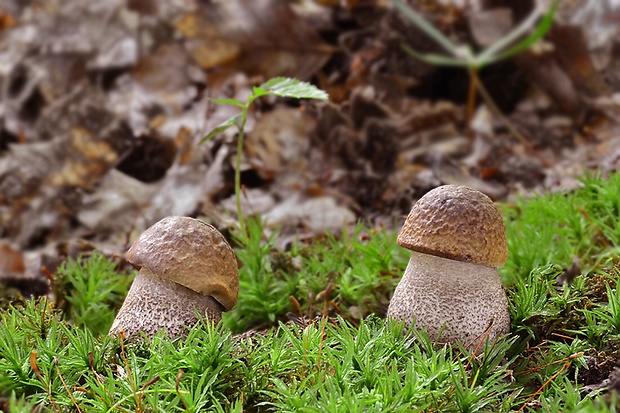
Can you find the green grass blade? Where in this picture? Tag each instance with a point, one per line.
(494, 52)
(434, 59)
(427, 27)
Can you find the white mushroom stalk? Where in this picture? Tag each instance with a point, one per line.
(451, 286)
(187, 270)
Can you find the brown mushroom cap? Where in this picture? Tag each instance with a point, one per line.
(459, 223)
(191, 253)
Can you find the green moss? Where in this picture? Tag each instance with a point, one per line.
(340, 354)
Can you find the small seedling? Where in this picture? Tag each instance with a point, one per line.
(463, 55)
(279, 86)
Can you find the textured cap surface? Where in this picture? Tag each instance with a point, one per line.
(191, 253)
(459, 223)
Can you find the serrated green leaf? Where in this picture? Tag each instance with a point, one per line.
(273, 81)
(293, 88)
(233, 121)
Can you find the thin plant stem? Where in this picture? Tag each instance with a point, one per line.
(471, 101)
(64, 383)
(497, 112)
(242, 227)
(46, 386)
(545, 384)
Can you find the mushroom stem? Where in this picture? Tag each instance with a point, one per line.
(452, 300)
(155, 303)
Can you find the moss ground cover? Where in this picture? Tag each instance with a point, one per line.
(309, 331)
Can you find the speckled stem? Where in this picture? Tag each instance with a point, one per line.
(154, 303)
(452, 300)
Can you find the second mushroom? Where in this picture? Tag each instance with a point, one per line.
(451, 286)
(187, 270)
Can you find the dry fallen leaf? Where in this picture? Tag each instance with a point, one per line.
(262, 37)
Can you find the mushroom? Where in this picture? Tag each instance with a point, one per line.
(186, 270)
(451, 286)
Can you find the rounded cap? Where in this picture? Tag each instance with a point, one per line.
(459, 223)
(191, 253)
